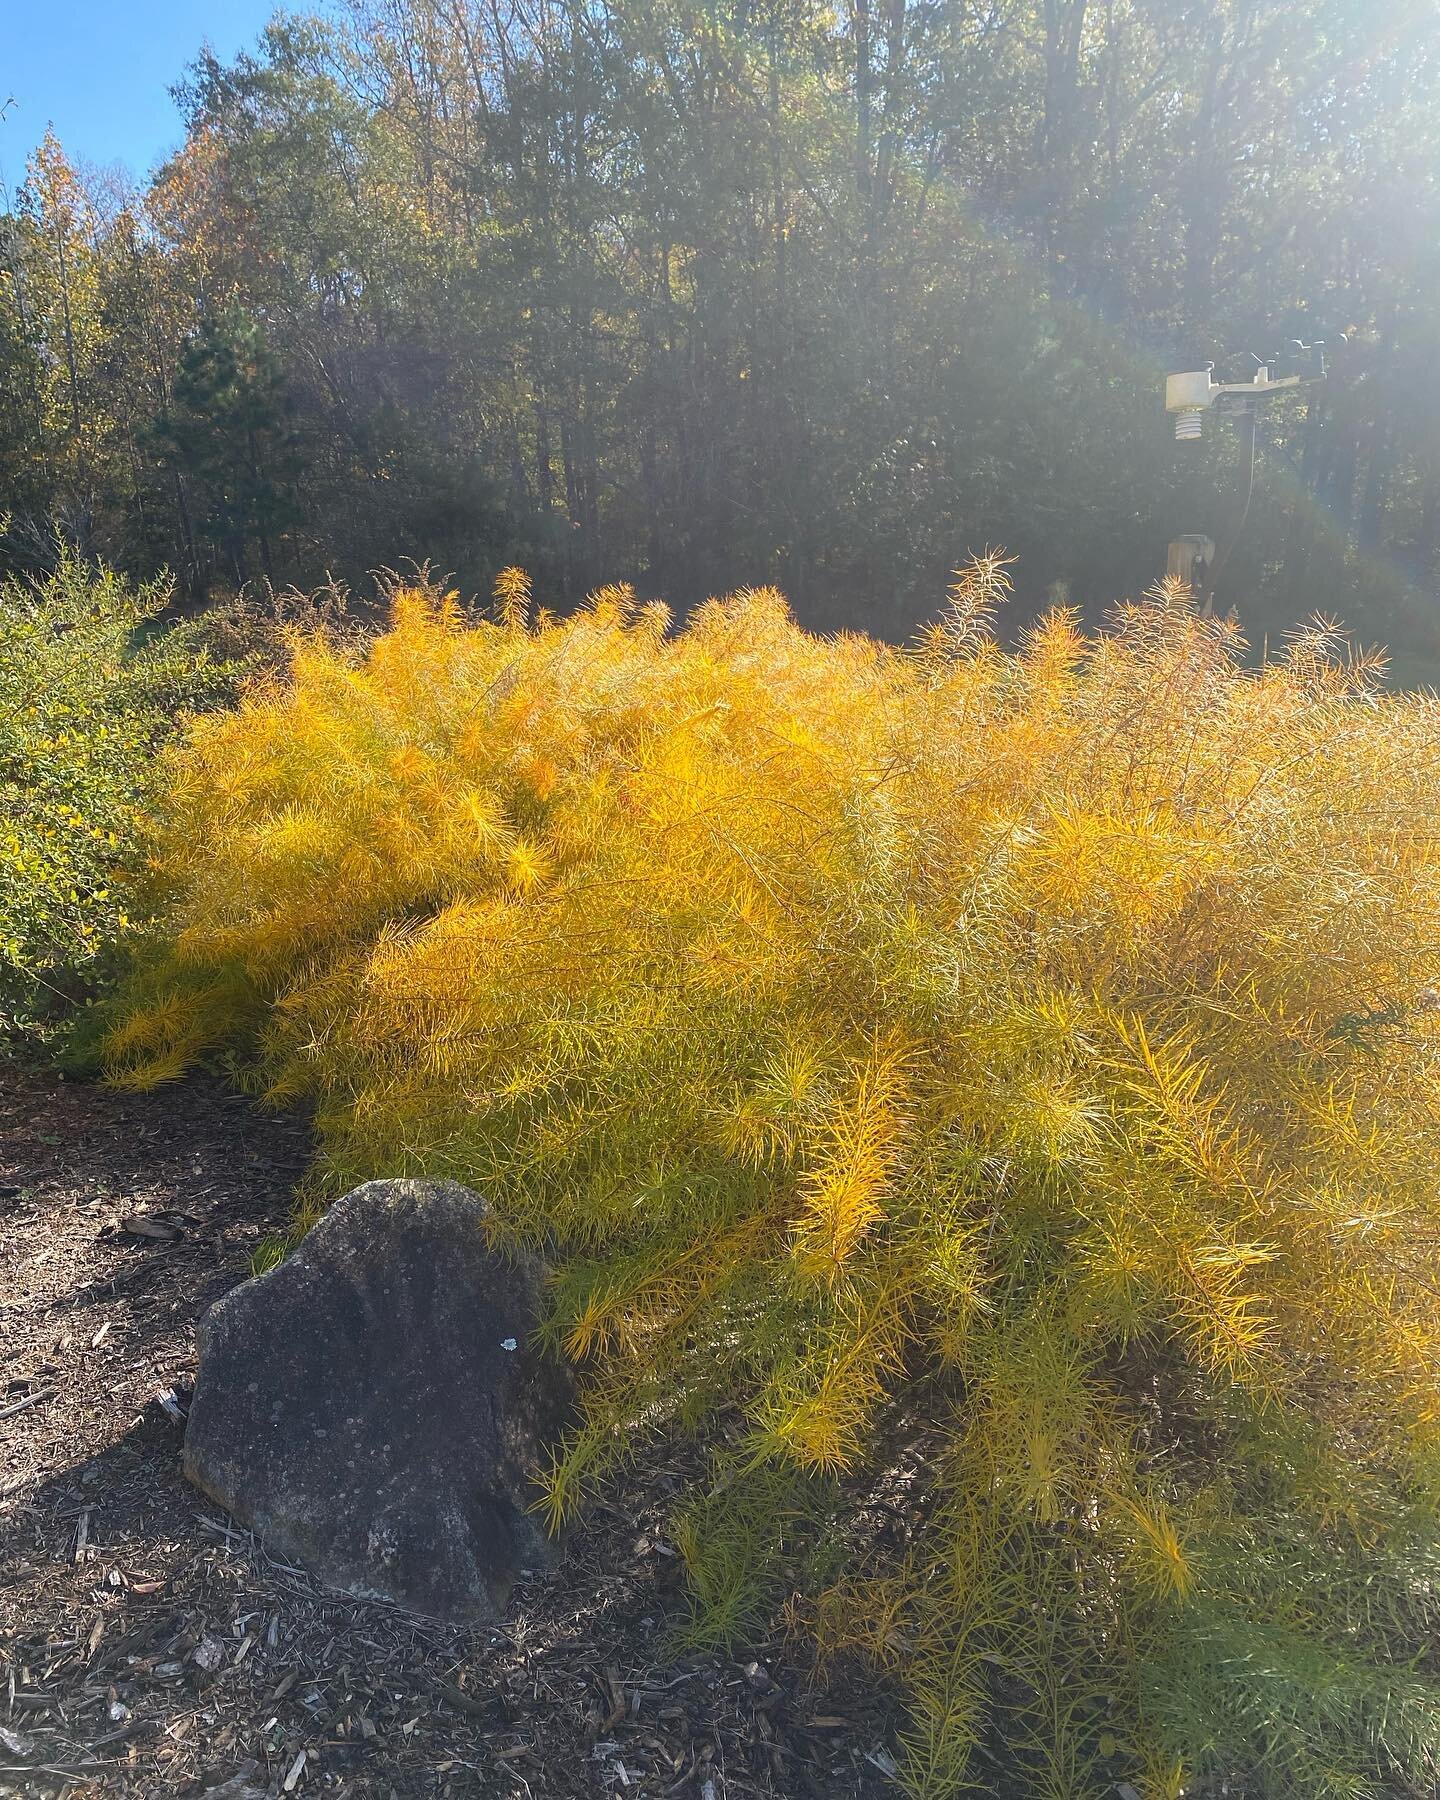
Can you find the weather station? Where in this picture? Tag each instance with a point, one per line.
(1193, 395)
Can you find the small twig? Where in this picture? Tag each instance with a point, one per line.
(463, 1702)
(63, 1769)
(133, 1728)
(16, 1406)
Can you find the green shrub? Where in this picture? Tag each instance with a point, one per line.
(90, 687)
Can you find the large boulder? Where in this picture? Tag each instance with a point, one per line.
(376, 1407)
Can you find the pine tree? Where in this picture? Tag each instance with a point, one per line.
(228, 435)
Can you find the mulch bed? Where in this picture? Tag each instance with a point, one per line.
(149, 1647)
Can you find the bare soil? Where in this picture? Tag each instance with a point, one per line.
(150, 1647)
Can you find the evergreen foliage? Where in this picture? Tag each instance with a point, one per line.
(227, 428)
(1037, 1050)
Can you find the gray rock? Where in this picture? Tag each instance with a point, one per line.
(375, 1407)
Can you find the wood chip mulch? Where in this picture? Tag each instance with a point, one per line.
(150, 1647)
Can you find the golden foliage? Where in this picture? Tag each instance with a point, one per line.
(1047, 1040)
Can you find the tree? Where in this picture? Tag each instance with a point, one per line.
(52, 340)
(775, 291)
(227, 433)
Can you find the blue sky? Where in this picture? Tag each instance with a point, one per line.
(100, 71)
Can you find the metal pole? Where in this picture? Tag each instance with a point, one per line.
(1222, 555)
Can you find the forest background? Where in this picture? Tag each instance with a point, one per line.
(755, 291)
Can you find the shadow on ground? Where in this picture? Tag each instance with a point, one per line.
(152, 1648)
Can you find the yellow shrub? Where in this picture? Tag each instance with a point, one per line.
(1039, 1049)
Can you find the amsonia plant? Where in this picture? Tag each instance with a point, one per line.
(1040, 1048)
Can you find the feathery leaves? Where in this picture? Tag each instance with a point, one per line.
(1040, 1045)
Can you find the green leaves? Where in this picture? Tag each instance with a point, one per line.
(228, 430)
(87, 699)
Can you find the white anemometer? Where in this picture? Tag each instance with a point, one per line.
(1189, 396)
